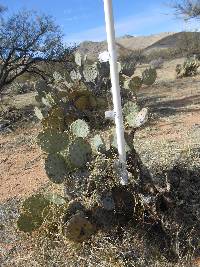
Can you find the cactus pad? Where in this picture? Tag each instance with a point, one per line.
(130, 107)
(35, 209)
(128, 69)
(56, 168)
(131, 119)
(135, 83)
(52, 141)
(78, 228)
(80, 128)
(142, 117)
(75, 75)
(149, 76)
(98, 144)
(35, 205)
(38, 113)
(79, 152)
(90, 73)
(82, 103)
(55, 120)
(78, 59)
(103, 69)
(57, 77)
(73, 207)
(55, 199)
(113, 142)
(28, 223)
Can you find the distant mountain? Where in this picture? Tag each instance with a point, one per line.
(128, 43)
(173, 41)
(125, 44)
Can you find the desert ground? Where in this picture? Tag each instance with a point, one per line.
(172, 135)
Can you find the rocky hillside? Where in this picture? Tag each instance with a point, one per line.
(129, 43)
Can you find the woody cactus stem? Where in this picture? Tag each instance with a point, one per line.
(115, 89)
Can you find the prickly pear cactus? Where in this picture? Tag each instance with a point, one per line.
(90, 73)
(188, 69)
(52, 141)
(78, 59)
(82, 103)
(38, 113)
(80, 152)
(78, 228)
(135, 83)
(34, 210)
(80, 128)
(55, 120)
(75, 75)
(128, 69)
(76, 155)
(130, 107)
(27, 223)
(98, 144)
(56, 168)
(149, 76)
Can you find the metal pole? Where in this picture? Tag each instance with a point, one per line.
(115, 88)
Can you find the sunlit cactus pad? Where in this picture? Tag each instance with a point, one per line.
(80, 128)
(149, 76)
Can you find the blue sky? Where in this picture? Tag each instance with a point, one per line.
(84, 19)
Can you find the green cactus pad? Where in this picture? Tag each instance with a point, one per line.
(149, 76)
(75, 75)
(138, 119)
(38, 113)
(90, 73)
(82, 103)
(35, 205)
(80, 128)
(131, 119)
(98, 144)
(128, 69)
(79, 152)
(113, 142)
(135, 83)
(78, 59)
(56, 168)
(52, 141)
(55, 199)
(130, 107)
(103, 69)
(49, 100)
(55, 120)
(101, 102)
(28, 223)
(57, 77)
(92, 102)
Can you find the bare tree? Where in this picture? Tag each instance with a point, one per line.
(26, 39)
(188, 9)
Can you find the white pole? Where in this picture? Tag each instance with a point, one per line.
(115, 87)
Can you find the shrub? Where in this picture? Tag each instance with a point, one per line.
(188, 69)
(156, 63)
